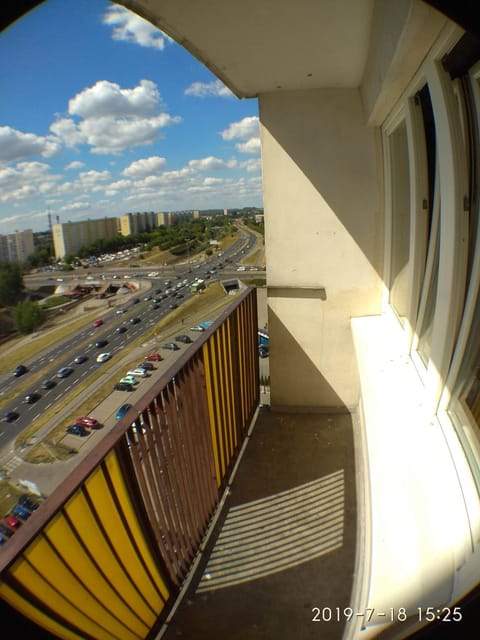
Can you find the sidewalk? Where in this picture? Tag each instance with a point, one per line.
(285, 542)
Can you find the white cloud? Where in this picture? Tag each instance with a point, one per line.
(250, 146)
(243, 129)
(15, 145)
(25, 180)
(252, 165)
(207, 89)
(211, 163)
(106, 98)
(113, 119)
(75, 206)
(144, 167)
(76, 164)
(129, 27)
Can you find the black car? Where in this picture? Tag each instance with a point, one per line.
(64, 372)
(80, 359)
(263, 351)
(158, 291)
(5, 531)
(101, 343)
(11, 416)
(77, 430)
(173, 305)
(123, 386)
(28, 502)
(155, 306)
(121, 329)
(135, 320)
(48, 384)
(170, 345)
(135, 300)
(148, 366)
(31, 398)
(20, 370)
(184, 338)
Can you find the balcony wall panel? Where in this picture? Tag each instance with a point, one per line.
(107, 553)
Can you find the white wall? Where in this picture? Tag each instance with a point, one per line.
(323, 238)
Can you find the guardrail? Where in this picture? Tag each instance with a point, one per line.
(106, 554)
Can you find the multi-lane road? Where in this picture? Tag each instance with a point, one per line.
(149, 306)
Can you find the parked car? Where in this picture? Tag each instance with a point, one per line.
(171, 346)
(77, 430)
(48, 384)
(28, 502)
(5, 531)
(263, 351)
(146, 365)
(197, 327)
(12, 521)
(123, 386)
(101, 343)
(121, 329)
(97, 323)
(21, 512)
(10, 416)
(120, 311)
(129, 379)
(183, 338)
(153, 357)
(80, 359)
(123, 410)
(147, 297)
(31, 398)
(135, 320)
(64, 372)
(103, 357)
(89, 422)
(138, 372)
(20, 370)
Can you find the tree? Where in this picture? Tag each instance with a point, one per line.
(11, 283)
(28, 316)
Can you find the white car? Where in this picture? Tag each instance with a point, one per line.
(140, 373)
(103, 357)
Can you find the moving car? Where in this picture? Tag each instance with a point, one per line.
(129, 379)
(153, 357)
(10, 416)
(101, 343)
(173, 305)
(171, 346)
(183, 338)
(135, 300)
(120, 311)
(97, 323)
(123, 410)
(77, 430)
(89, 422)
(121, 329)
(135, 320)
(64, 372)
(80, 359)
(48, 384)
(31, 398)
(20, 370)
(103, 357)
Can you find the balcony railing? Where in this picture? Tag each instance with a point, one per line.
(106, 554)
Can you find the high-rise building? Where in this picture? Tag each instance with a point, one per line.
(17, 246)
(68, 237)
(131, 223)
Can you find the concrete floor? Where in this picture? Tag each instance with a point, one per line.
(285, 542)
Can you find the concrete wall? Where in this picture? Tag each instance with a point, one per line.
(323, 238)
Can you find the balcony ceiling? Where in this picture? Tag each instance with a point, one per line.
(257, 46)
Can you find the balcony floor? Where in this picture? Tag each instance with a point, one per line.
(285, 541)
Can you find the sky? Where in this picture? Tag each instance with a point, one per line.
(102, 114)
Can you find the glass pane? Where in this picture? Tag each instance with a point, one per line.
(400, 203)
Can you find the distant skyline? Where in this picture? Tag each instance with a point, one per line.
(102, 114)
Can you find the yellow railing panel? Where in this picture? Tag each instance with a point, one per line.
(159, 587)
(211, 411)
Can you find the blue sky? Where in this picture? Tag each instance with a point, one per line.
(101, 114)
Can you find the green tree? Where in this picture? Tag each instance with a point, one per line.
(11, 283)
(28, 316)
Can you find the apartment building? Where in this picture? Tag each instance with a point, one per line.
(131, 223)
(16, 247)
(68, 237)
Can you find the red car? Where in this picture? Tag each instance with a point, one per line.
(97, 323)
(12, 522)
(154, 357)
(89, 422)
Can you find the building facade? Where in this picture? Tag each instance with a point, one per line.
(16, 247)
(68, 237)
(131, 223)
